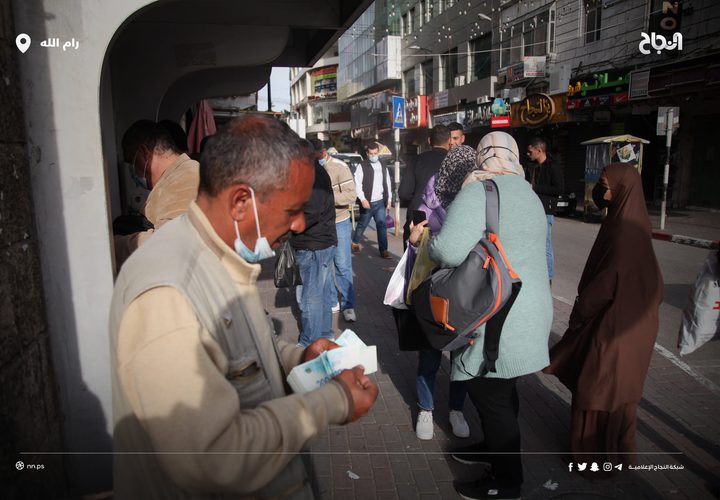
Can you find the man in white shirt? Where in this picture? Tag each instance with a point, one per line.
(375, 198)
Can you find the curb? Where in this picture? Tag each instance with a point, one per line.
(685, 240)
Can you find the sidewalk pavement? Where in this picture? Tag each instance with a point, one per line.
(696, 227)
(380, 457)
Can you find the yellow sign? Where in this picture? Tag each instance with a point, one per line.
(536, 109)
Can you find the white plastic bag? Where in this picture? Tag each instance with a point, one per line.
(394, 296)
(701, 317)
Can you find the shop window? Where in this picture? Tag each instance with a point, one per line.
(409, 77)
(427, 78)
(481, 57)
(593, 15)
(449, 64)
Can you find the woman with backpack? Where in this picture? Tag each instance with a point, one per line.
(523, 346)
(604, 356)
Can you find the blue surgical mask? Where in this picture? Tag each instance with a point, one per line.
(140, 182)
(322, 162)
(373, 159)
(262, 247)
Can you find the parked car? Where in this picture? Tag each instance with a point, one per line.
(353, 160)
(567, 205)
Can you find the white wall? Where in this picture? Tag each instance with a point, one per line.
(62, 102)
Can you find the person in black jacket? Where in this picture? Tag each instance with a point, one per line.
(416, 177)
(314, 253)
(546, 179)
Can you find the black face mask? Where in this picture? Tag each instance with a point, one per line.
(598, 196)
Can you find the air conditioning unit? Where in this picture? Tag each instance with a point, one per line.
(482, 99)
(552, 57)
(460, 80)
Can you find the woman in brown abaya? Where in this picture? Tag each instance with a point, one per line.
(604, 356)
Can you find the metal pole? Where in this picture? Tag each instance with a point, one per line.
(397, 183)
(666, 174)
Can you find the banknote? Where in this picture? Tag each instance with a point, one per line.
(317, 372)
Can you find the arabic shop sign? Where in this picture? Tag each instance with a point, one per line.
(530, 67)
(324, 81)
(536, 109)
(416, 112)
(481, 115)
(599, 83)
(595, 101)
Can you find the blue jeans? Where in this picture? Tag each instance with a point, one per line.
(428, 365)
(377, 212)
(549, 248)
(343, 265)
(317, 295)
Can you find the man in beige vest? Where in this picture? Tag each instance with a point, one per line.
(201, 408)
(157, 164)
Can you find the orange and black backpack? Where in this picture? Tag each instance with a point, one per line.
(452, 303)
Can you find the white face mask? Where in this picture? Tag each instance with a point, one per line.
(262, 247)
(141, 182)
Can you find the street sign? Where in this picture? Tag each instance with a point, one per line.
(398, 109)
(662, 118)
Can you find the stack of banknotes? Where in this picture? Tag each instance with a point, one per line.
(319, 371)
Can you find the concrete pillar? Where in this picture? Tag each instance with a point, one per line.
(61, 93)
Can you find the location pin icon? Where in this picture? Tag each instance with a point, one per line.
(23, 42)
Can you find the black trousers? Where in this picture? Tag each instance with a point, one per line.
(498, 404)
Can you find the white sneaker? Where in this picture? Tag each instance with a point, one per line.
(424, 429)
(349, 315)
(459, 425)
(336, 308)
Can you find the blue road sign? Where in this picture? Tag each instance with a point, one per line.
(398, 104)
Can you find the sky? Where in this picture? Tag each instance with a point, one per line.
(280, 91)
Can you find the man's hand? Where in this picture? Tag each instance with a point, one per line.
(317, 348)
(416, 232)
(389, 205)
(361, 389)
(365, 204)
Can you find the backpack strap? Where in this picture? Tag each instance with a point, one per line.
(492, 207)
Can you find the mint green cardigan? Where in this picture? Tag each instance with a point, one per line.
(523, 229)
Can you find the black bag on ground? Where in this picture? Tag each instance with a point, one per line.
(452, 303)
(287, 271)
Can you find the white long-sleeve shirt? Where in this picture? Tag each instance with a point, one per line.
(376, 194)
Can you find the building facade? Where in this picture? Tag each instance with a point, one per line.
(313, 99)
(569, 71)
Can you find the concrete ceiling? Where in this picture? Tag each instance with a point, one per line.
(173, 53)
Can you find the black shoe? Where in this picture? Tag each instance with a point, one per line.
(486, 489)
(471, 454)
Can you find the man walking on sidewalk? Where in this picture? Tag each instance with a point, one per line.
(372, 182)
(314, 253)
(546, 178)
(343, 186)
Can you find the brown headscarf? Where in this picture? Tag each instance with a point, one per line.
(605, 353)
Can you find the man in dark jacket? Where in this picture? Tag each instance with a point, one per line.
(374, 190)
(546, 179)
(314, 252)
(416, 177)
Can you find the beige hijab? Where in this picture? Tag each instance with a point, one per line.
(497, 154)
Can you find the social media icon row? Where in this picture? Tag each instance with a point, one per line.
(582, 466)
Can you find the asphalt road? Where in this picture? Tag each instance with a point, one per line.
(572, 241)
